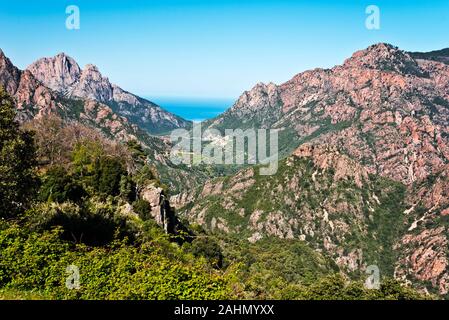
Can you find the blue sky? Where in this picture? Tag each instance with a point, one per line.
(213, 48)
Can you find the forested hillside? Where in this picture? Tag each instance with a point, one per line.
(74, 200)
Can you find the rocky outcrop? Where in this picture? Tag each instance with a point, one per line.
(424, 246)
(425, 259)
(328, 157)
(385, 57)
(59, 73)
(161, 210)
(9, 75)
(260, 105)
(33, 99)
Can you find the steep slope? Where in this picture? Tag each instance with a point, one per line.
(32, 97)
(387, 111)
(382, 107)
(62, 74)
(319, 196)
(331, 203)
(424, 252)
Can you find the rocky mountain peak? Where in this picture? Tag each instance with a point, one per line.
(381, 51)
(385, 57)
(260, 91)
(4, 61)
(91, 68)
(63, 57)
(260, 96)
(58, 72)
(257, 101)
(264, 86)
(93, 85)
(9, 74)
(62, 73)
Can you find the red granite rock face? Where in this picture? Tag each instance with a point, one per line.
(397, 129)
(388, 110)
(381, 106)
(9, 74)
(425, 258)
(33, 99)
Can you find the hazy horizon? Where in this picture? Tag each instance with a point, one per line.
(193, 108)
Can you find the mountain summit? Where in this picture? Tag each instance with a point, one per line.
(63, 74)
(386, 57)
(58, 73)
(9, 74)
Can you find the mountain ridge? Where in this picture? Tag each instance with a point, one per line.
(374, 88)
(388, 112)
(34, 100)
(62, 73)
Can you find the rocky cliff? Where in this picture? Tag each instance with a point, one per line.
(382, 107)
(161, 210)
(61, 73)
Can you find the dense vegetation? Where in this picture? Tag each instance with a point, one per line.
(369, 216)
(70, 198)
(17, 161)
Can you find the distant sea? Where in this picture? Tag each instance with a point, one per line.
(194, 109)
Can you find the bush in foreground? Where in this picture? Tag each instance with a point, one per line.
(37, 262)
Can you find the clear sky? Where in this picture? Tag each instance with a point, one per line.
(213, 48)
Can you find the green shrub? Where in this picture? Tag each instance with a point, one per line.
(204, 246)
(60, 186)
(142, 208)
(100, 173)
(37, 262)
(107, 178)
(18, 180)
(127, 189)
(94, 224)
(335, 287)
